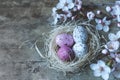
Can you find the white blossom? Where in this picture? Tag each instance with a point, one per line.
(65, 5)
(54, 9)
(115, 10)
(90, 15)
(60, 17)
(118, 24)
(113, 36)
(116, 56)
(104, 51)
(112, 46)
(78, 4)
(117, 2)
(56, 19)
(68, 14)
(103, 24)
(108, 9)
(55, 15)
(98, 11)
(101, 69)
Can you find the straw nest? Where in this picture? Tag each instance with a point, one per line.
(78, 63)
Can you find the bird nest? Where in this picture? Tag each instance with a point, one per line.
(77, 64)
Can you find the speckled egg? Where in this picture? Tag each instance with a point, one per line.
(80, 49)
(65, 53)
(80, 34)
(64, 39)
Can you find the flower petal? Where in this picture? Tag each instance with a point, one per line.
(106, 28)
(69, 1)
(65, 8)
(106, 46)
(108, 8)
(69, 14)
(107, 69)
(94, 66)
(90, 15)
(97, 73)
(97, 20)
(79, 7)
(117, 45)
(117, 59)
(118, 24)
(71, 5)
(112, 55)
(101, 63)
(75, 9)
(118, 34)
(104, 51)
(107, 22)
(104, 19)
(99, 27)
(113, 46)
(112, 36)
(64, 17)
(105, 75)
(56, 17)
(117, 2)
(55, 21)
(118, 18)
(59, 6)
(54, 10)
(62, 1)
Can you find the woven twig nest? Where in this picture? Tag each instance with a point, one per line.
(78, 63)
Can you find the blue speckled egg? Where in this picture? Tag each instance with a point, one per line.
(80, 49)
(80, 34)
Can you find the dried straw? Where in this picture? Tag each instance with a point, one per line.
(78, 63)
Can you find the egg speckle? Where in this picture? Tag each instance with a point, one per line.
(80, 49)
(64, 39)
(65, 53)
(80, 34)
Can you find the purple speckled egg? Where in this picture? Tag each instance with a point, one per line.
(65, 53)
(64, 39)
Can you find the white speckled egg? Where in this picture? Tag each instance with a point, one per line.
(80, 49)
(80, 34)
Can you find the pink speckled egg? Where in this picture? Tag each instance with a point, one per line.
(65, 53)
(64, 39)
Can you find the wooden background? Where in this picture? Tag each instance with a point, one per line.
(21, 23)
